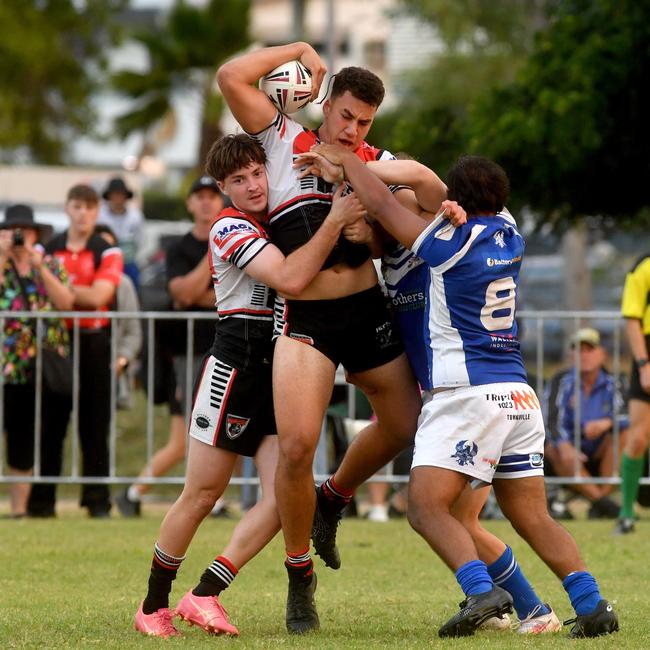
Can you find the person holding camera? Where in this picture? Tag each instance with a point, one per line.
(29, 282)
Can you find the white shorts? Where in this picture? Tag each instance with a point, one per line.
(489, 431)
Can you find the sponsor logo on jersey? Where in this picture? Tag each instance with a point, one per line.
(494, 261)
(303, 338)
(465, 452)
(503, 342)
(536, 460)
(498, 239)
(202, 421)
(236, 425)
(408, 300)
(234, 227)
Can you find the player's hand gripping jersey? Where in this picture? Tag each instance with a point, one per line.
(297, 207)
(469, 329)
(244, 305)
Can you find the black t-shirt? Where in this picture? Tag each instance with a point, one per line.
(183, 257)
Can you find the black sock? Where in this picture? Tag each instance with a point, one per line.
(164, 568)
(299, 566)
(216, 578)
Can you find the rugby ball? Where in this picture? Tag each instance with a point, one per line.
(288, 86)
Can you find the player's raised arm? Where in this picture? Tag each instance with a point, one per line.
(238, 80)
(429, 189)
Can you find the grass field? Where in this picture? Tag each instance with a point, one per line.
(76, 583)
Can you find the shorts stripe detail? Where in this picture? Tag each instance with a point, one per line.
(221, 381)
(518, 463)
(280, 310)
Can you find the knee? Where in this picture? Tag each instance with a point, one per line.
(420, 515)
(199, 502)
(636, 444)
(297, 453)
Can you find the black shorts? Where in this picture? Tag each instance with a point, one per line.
(636, 392)
(233, 408)
(356, 331)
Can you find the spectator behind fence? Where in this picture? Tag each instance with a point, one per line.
(29, 282)
(601, 404)
(189, 282)
(636, 311)
(126, 221)
(128, 330)
(95, 269)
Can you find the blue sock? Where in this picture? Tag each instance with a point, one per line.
(583, 591)
(473, 578)
(506, 573)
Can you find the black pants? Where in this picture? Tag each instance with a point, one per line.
(94, 424)
(19, 422)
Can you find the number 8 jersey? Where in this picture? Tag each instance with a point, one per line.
(469, 328)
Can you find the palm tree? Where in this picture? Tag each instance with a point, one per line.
(183, 55)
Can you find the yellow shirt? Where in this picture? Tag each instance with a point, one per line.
(636, 294)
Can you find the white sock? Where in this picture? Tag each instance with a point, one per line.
(132, 493)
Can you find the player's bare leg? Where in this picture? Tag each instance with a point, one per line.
(302, 387)
(395, 398)
(523, 502)
(433, 491)
(261, 523)
(535, 616)
(201, 606)
(208, 472)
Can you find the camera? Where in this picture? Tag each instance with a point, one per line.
(19, 238)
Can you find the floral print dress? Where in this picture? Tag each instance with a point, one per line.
(19, 343)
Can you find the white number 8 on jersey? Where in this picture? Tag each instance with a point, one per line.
(494, 303)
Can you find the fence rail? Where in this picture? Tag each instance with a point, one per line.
(535, 337)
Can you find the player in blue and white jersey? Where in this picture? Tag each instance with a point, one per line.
(481, 422)
(233, 414)
(405, 277)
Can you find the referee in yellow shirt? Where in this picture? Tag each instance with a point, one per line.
(636, 311)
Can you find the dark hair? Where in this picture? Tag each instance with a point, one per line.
(361, 83)
(103, 229)
(232, 153)
(479, 185)
(83, 193)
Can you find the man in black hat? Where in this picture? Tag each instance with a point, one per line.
(189, 283)
(125, 220)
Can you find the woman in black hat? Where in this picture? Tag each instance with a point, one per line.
(28, 282)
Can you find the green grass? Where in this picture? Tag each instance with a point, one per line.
(76, 583)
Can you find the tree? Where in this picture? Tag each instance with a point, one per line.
(572, 129)
(183, 56)
(485, 42)
(51, 57)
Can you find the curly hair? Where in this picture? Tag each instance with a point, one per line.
(479, 185)
(231, 153)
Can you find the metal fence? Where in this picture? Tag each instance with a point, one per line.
(536, 339)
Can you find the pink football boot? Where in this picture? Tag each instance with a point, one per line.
(157, 624)
(206, 612)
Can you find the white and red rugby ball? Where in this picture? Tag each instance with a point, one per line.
(288, 86)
